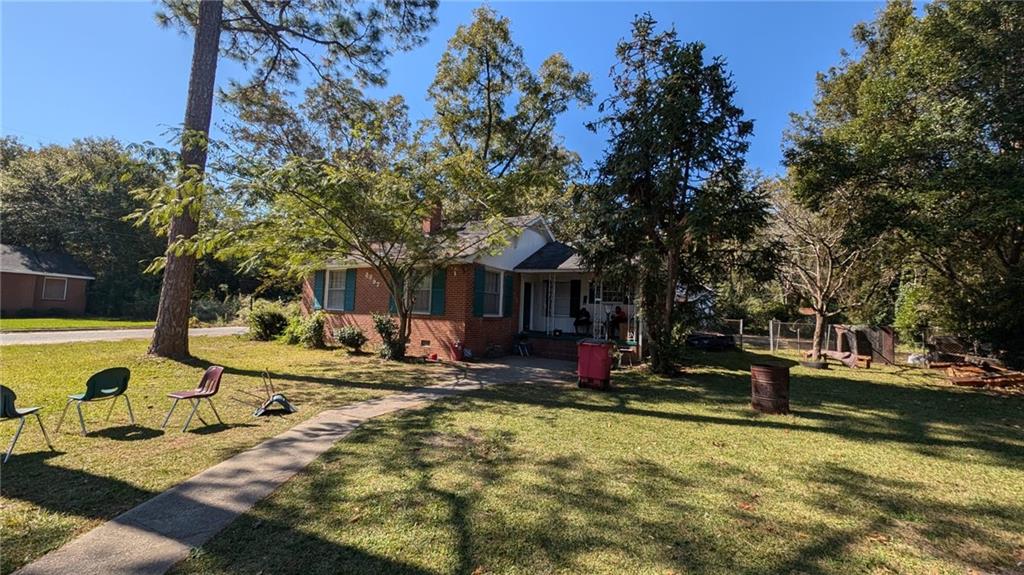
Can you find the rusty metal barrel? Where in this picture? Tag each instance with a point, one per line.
(769, 388)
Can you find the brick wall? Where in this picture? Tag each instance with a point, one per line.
(25, 291)
(430, 334)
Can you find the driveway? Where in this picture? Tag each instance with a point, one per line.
(43, 337)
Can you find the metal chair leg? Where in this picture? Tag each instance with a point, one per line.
(168, 418)
(10, 449)
(81, 418)
(111, 410)
(195, 406)
(210, 401)
(62, 414)
(131, 416)
(45, 435)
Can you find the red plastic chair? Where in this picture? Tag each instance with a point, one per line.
(208, 388)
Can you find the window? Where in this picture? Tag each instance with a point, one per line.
(335, 290)
(492, 293)
(55, 289)
(421, 296)
(562, 294)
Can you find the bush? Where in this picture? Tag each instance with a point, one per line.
(293, 333)
(391, 347)
(350, 336)
(266, 321)
(209, 309)
(309, 331)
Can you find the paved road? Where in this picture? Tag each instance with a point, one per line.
(42, 337)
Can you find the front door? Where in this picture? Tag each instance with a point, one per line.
(527, 305)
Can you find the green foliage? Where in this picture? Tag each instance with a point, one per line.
(911, 316)
(212, 309)
(672, 198)
(307, 330)
(392, 345)
(73, 199)
(351, 337)
(341, 177)
(266, 321)
(921, 135)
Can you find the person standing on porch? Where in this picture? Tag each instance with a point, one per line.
(617, 318)
(582, 322)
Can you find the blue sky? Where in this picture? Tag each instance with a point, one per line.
(78, 69)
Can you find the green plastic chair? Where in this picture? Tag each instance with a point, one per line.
(108, 384)
(9, 411)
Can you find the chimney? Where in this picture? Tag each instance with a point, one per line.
(434, 222)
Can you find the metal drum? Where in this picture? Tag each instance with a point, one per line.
(769, 388)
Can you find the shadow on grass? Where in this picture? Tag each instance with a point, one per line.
(555, 510)
(126, 433)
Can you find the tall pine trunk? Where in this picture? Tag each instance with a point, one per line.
(170, 339)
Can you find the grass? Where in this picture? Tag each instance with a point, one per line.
(49, 497)
(69, 323)
(876, 471)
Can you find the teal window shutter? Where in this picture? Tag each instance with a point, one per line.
(479, 277)
(350, 290)
(318, 289)
(437, 284)
(506, 306)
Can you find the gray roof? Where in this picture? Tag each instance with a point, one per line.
(22, 260)
(475, 233)
(552, 256)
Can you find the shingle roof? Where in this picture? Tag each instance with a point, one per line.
(552, 256)
(22, 260)
(475, 233)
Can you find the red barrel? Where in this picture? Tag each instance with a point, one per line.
(594, 364)
(769, 388)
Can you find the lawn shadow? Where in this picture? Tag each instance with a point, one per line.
(212, 428)
(126, 433)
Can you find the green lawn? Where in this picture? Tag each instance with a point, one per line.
(874, 472)
(46, 497)
(64, 323)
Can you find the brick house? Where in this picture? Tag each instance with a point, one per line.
(533, 288)
(41, 282)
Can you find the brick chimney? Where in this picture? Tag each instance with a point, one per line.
(434, 222)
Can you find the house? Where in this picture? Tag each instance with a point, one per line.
(533, 288)
(41, 282)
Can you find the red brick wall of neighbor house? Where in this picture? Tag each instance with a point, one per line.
(439, 331)
(24, 291)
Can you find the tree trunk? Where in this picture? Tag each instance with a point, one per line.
(170, 339)
(819, 335)
(657, 305)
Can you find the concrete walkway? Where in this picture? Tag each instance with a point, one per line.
(152, 537)
(42, 337)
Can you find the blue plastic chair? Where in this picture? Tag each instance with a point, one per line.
(9, 411)
(108, 384)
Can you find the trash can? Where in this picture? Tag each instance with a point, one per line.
(594, 366)
(769, 388)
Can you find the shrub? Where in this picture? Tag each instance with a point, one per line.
(391, 346)
(266, 321)
(350, 336)
(312, 332)
(293, 333)
(309, 331)
(209, 309)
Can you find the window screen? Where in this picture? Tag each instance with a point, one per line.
(55, 288)
(335, 290)
(492, 293)
(421, 303)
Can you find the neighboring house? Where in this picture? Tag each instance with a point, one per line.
(39, 282)
(534, 286)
